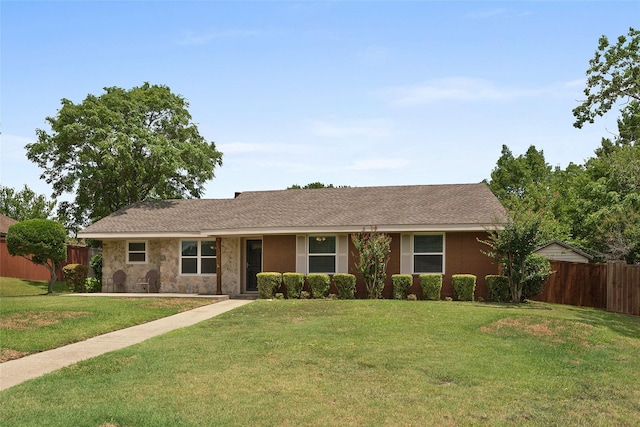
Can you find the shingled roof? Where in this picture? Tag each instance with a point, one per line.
(394, 208)
(5, 223)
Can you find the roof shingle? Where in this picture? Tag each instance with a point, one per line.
(350, 208)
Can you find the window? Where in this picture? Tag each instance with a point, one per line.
(322, 254)
(136, 252)
(428, 253)
(198, 257)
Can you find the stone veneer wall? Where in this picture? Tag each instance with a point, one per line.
(114, 255)
(164, 255)
(230, 267)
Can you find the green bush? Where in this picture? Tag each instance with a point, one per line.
(96, 263)
(293, 282)
(431, 285)
(464, 286)
(401, 285)
(93, 285)
(537, 271)
(346, 284)
(319, 284)
(498, 287)
(75, 276)
(268, 284)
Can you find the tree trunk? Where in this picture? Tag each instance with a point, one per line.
(53, 277)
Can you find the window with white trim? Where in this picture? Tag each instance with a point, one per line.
(136, 252)
(322, 254)
(428, 253)
(198, 257)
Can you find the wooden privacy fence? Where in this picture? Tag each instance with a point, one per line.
(623, 288)
(614, 286)
(17, 266)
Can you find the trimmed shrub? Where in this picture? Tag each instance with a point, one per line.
(464, 285)
(319, 284)
(498, 287)
(346, 284)
(75, 276)
(293, 282)
(401, 285)
(268, 283)
(537, 271)
(431, 285)
(93, 285)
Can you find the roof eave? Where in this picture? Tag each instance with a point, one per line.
(413, 228)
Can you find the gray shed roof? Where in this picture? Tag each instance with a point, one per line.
(394, 208)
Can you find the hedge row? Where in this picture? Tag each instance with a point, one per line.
(319, 283)
(464, 286)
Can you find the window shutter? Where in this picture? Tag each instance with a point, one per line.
(342, 263)
(301, 254)
(405, 254)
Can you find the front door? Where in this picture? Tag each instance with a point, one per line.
(254, 264)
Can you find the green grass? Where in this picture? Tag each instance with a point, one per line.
(30, 324)
(353, 363)
(11, 287)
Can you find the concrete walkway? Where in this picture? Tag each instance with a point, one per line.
(16, 371)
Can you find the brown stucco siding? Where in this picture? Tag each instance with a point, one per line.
(279, 253)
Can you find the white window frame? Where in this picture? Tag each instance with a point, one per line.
(414, 253)
(145, 252)
(198, 257)
(334, 254)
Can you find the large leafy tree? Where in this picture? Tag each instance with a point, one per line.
(613, 76)
(42, 241)
(528, 183)
(122, 147)
(24, 204)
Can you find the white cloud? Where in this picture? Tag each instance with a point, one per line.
(248, 148)
(371, 128)
(454, 89)
(379, 164)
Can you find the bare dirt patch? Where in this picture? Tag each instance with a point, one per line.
(7, 354)
(553, 330)
(32, 320)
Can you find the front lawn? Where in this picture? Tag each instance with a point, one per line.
(30, 324)
(353, 363)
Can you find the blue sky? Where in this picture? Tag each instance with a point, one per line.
(348, 92)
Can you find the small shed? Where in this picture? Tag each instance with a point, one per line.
(561, 251)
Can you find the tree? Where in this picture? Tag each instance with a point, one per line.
(24, 204)
(374, 249)
(314, 185)
(122, 147)
(512, 244)
(41, 241)
(528, 183)
(613, 75)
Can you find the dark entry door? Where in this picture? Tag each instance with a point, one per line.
(254, 263)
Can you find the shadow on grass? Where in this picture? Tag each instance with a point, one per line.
(623, 324)
(529, 305)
